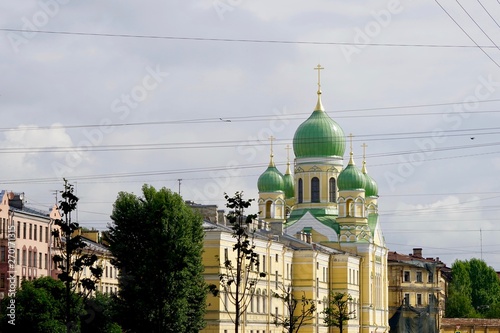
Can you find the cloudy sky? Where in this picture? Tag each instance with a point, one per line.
(115, 94)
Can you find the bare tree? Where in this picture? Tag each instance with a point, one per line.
(72, 259)
(238, 279)
(299, 311)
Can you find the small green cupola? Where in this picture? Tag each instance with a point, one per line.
(319, 135)
(272, 179)
(371, 187)
(351, 178)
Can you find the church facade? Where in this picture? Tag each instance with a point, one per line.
(318, 233)
(338, 207)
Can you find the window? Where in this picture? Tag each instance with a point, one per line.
(3, 254)
(106, 271)
(317, 287)
(287, 270)
(263, 263)
(324, 274)
(406, 277)
(41, 230)
(31, 231)
(18, 229)
(29, 258)
(277, 257)
(407, 299)
(268, 209)
(430, 277)
(301, 191)
(258, 300)
(276, 280)
(315, 189)
(24, 230)
(2, 280)
(18, 257)
(34, 259)
(419, 276)
(24, 257)
(45, 261)
(226, 255)
(34, 233)
(264, 301)
(40, 260)
(46, 234)
(332, 190)
(419, 299)
(431, 299)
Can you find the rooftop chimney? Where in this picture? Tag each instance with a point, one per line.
(417, 252)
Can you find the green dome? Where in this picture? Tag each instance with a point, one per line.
(271, 180)
(371, 188)
(289, 188)
(351, 178)
(319, 136)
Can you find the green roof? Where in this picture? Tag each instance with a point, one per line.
(289, 187)
(271, 180)
(319, 136)
(351, 178)
(371, 188)
(322, 215)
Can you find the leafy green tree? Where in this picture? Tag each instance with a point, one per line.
(474, 290)
(40, 308)
(72, 258)
(238, 280)
(337, 312)
(100, 314)
(299, 311)
(157, 243)
(459, 299)
(485, 286)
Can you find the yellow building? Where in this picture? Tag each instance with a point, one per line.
(417, 291)
(318, 232)
(288, 261)
(338, 207)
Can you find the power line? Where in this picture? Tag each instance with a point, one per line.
(487, 12)
(292, 116)
(477, 24)
(235, 40)
(465, 32)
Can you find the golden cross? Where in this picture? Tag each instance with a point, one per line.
(271, 138)
(364, 145)
(288, 152)
(350, 137)
(319, 68)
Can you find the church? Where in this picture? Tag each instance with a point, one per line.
(318, 232)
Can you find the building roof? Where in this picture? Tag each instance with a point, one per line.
(470, 322)
(319, 136)
(351, 178)
(412, 259)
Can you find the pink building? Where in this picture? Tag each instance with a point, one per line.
(25, 242)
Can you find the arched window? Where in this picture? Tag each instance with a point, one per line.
(332, 190)
(258, 300)
(349, 208)
(264, 301)
(301, 191)
(315, 189)
(268, 209)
